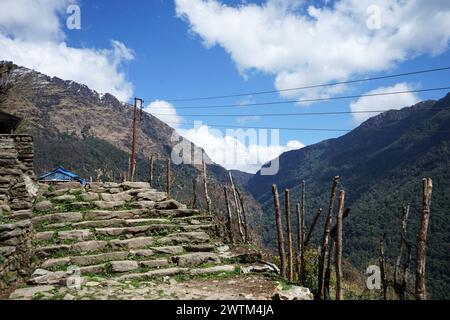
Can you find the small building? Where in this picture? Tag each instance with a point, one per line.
(8, 123)
(61, 175)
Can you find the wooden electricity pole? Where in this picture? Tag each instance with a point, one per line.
(382, 265)
(244, 216)
(280, 235)
(133, 144)
(421, 292)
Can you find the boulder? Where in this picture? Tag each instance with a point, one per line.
(123, 266)
(156, 263)
(123, 196)
(109, 204)
(169, 204)
(44, 206)
(135, 185)
(152, 196)
(185, 237)
(195, 259)
(30, 292)
(168, 249)
(65, 198)
(89, 246)
(294, 293)
(90, 196)
(134, 243)
(78, 235)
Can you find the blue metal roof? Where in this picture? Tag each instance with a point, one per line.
(61, 173)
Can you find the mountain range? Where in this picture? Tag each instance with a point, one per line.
(381, 164)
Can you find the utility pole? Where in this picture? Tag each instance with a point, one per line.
(133, 146)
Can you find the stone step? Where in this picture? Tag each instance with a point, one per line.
(171, 244)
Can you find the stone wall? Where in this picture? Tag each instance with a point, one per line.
(17, 192)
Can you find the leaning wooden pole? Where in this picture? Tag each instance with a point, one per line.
(400, 280)
(280, 235)
(205, 185)
(382, 265)
(168, 178)
(290, 262)
(301, 236)
(311, 229)
(325, 238)
(238, 208)
(229, 219)
(338, 258)
(244, 216)
(421, 292)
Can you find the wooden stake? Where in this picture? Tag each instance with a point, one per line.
(168, 178)
(150, 178)
(400, 286)
(327, 275)
(287, 205)
(421, 292)
(280, 235)
(244, 216)
(301, 236)
(238, 209)
(229, 220)
(205, 185)
(382, 265)
(325, 239)
(311, 229)
(338, 259)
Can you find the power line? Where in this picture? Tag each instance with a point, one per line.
(423, 109)
(315, 100)
(308, 87)
(297, 129)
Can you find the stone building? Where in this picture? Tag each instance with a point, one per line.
(17, 192)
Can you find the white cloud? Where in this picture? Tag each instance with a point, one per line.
(164, 111)
(233, 152)
(303, 45)
(31, 35)
(387, 102)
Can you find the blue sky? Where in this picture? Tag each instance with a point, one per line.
(176, 52)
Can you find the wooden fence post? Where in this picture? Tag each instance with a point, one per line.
(301, 236)
(229, 220)
(339, 234)
(421, 292)
(382, 265)
(280, 236)
(238, 209)
(400, 286)
(311, 229)
(150, 178)
(287, 206)
(325, 238)
(244, 216)
(205, 185)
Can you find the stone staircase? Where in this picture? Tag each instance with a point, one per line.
(124, 231)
